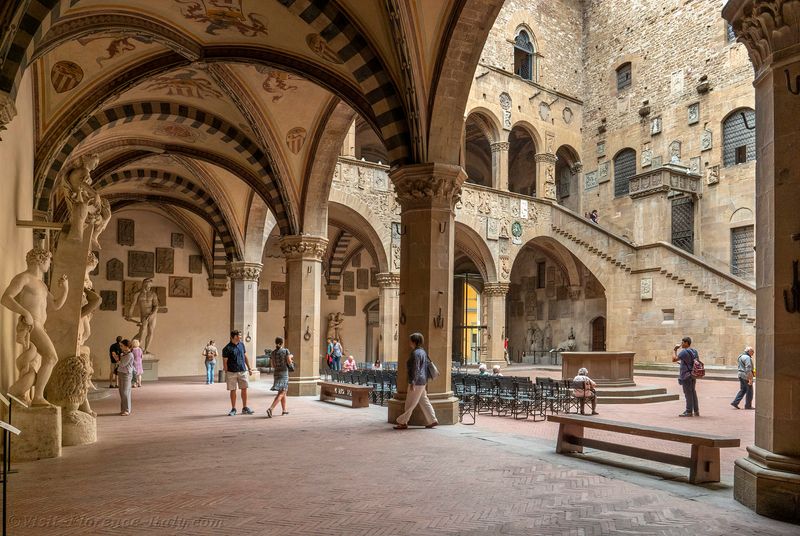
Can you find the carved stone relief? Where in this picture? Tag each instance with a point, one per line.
(590, 180)
(350, 306)
(646, 289)
(96, 270)
(278, 290)
(125, 232)
(176, 240)
(492, 229)
(675, 152)
(712, 174)
(108, 300)
(263, 300)
(180, 287)
(647, 156)
(655, 126)
(141, 263)
(694, 165)
(195, 264)
(602, 173)
(362, 278)
(165, 261)
(694, 113)
(706, 139)
(348, 281)
(601, 149)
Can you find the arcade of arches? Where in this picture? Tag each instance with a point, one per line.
(371, 169)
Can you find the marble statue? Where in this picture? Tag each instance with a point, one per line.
(89, 302)
(87, 208)
(569, 345)
(337, 326)
(146, 300)
(28, 296)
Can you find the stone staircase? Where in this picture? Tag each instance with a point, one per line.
(641, 394)
(725, 291)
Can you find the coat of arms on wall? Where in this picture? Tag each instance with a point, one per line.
(295, 139)
(320, 47)
(65, 75)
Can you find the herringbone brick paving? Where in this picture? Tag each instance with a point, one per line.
(178, 465)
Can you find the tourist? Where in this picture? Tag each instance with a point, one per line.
(329, 353)
(686, 358)
(584, 387)
(377, 364)
(336, 354)
(482, 370)
(745, 365)
(496, 371)
(417, 367)
(138, 368)
(505, 351)
(113, 353)
(350, 364)
(125, 371)
(210, 359)
(237, 369)
(594, 216)
(282, 362)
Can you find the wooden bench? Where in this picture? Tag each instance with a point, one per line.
(703, 463)
(357, 394)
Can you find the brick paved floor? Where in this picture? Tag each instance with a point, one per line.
(179, 465)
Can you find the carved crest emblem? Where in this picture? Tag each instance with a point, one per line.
(65, 75)
(319, 46)
(295, 139)
(222, 15)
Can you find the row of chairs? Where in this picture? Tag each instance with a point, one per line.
(383, 382)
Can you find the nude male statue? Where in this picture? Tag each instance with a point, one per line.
(86, 207)
(90, 301)
(28, 296)
(147, 301)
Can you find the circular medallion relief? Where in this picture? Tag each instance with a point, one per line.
(516, 229)
(567, 115)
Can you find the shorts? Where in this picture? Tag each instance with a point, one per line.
(236, 378)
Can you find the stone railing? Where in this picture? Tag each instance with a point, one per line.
(669, 177)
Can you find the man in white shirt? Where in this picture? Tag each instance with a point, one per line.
(584, 389)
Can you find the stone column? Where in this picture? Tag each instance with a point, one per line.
(304, 255)
(389, 284)
(427, 194)
(349, 144)
(768, 479)
(495, 296)
(545, 176)
(244, 303)
(500, 165)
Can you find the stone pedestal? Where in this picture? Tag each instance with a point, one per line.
(303, 292)
(607, 369)
(41, 433)
(78, 428)
(149, 368)
(427, 194)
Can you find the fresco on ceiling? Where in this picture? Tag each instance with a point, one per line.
(295, 139)
(320, 47)
(179, 132)
(222, 15)
(277, 82)
(65, 75)
(120, 43)
(185, 83)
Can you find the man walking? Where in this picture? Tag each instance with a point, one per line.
(745, 365)
(237, 369)
(686, 358)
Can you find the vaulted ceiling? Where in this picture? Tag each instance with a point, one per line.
(203, 106)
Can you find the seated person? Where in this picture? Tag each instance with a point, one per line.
(350, 364)
(377, 364)
(496, 371)
(588, 390)
(482, 370)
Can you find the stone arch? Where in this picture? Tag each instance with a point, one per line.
(479, 135)
(359, 225)
(523, 146)
(567, 175)
(742, 215)
(560, 253)
(382, 232)
(487, 121)
(473, 245)
(260, 223)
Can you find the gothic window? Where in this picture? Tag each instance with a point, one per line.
(742, 254)
(523, 56)
(624, 76)
(624, 169)
(739, 137)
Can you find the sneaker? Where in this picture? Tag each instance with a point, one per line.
(232, 412)
(696, 413)
(685, 414)
(269, 413)
(735, 405)
(247, 411)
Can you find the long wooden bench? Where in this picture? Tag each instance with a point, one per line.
(703, 463)
(357, 394)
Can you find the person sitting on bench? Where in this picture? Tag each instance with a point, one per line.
(584, 388)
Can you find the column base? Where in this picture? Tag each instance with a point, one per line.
(769, 484)
(303, 387)
(446, 410)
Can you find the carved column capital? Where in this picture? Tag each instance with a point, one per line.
(7, 110)
(500, 146)
(496, 289)
(303, 247)
(428, 185)
(547, 158)
(388, 280)
(766, 28)
(247, 271)
(217, 286)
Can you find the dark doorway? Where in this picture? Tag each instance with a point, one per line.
(599, 334)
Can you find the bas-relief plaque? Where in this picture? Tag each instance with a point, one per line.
(602, 173)
(96, 270)
(165, 260)
(523, 209)
(176, 240)
(706, 139)
(601, 149)
(492, 229)
(646, 289)
(694, 165)
(115, 271)
(356, 262)
(349, 306)
(140, 263)
(590, 180)
(108, 300)
(647, 157)
(180, 287)
(195, 264)
(655, 126)
(263, 300)
(362, 278)
(278, 289)
(129, 288)
(694, 113)
(125, 232)
(348, 281)
(675, 152)
(657, 160)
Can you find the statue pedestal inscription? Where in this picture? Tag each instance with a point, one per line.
(41, 433)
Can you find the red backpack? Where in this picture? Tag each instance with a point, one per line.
(698, 369)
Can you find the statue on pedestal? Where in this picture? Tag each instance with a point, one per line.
(334, 330)
(89, 302)
(28, 296)
(86, 207)
(570, 345)
(146, 300)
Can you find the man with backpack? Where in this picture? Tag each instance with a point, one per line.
(687, 375)
(745, 374)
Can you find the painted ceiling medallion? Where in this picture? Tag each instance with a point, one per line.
(277, 82)
(222, 15)
(177, 131)
(295, 139)
(319, 46)
(65, 75)
(185, 83)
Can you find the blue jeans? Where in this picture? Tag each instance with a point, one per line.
(690, 393)
(210, 371)
(336, 365)
(746, 392)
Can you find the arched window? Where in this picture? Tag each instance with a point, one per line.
(624, 169)
(523, 56)
(739, 137)
(624, 76)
